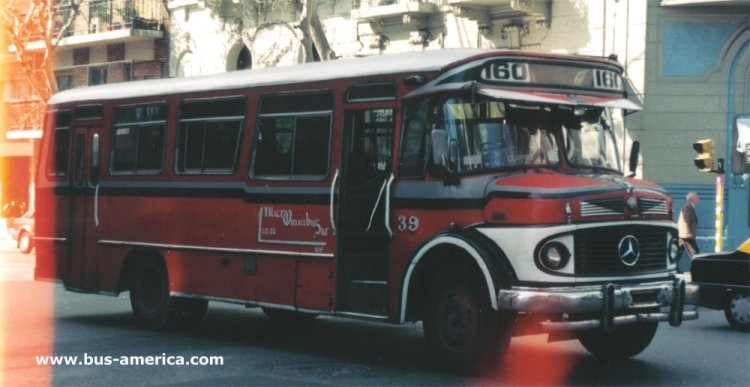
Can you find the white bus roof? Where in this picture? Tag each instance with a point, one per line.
(411, 62)
(421, 61)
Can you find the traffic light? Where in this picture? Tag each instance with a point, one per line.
(705, 159)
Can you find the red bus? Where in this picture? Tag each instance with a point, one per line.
(478, 191)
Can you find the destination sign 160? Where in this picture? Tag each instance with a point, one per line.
(556, 74)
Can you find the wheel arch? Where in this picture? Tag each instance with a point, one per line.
(131, 261)
(467, 251)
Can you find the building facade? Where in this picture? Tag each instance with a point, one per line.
(686, 62)
(697, 87)
(107, 41)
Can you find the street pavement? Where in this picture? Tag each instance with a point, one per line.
(41, 318)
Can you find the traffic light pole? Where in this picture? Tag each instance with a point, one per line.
(719, 225)
(705, 163)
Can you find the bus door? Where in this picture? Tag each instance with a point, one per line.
(83, 208)
(361, 233)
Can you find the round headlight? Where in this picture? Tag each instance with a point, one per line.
(674, 250)
(554, 256)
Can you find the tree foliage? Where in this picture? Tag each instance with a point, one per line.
(34, 29)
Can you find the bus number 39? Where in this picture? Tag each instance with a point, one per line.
(410, 224)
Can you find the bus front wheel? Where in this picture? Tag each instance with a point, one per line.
(466, 333)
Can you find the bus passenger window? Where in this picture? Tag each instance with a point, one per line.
(294, 136)
(139, 132)
(293, 147)
(209, 136)
(61, 145)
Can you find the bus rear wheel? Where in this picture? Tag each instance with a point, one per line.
(152, 305)
(623, 342)
(466, 333)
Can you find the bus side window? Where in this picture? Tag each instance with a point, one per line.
(59, 164)
(294, 136)
(139, 138)
(209, 135)
(413, 154)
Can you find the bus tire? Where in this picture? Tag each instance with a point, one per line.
(149, 294)
(623, 342)
(460, 324)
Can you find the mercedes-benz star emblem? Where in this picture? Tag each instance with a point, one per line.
(629, 250)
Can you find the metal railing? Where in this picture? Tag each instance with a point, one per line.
(25, 115)
(97, 16)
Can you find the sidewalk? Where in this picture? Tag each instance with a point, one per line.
(5, 240)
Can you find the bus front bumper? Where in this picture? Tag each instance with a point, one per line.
(607, 305)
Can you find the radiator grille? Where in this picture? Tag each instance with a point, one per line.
(603, 207)
(596, 250)
(653, 206)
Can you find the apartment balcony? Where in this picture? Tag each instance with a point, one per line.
(100, 22)
(393, 12)
(25, 118)
(538, 11)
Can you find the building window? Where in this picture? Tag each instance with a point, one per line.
(293, 136)
(209, 136)
(97, 76)
(244, 61)
(64, 82)
(139, 138)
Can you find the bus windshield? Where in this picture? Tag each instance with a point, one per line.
(492, 134)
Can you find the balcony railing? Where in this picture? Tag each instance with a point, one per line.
(25, 115)
(97, 16)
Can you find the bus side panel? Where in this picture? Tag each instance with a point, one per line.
(182, 226)
(412, 228)
(50, 215)
(272, 281)
(51, 232)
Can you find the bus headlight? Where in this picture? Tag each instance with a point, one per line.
(554, 255)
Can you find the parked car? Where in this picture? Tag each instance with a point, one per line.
(724, 281)
(22, 230)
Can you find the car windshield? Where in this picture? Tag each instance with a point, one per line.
(493, 134)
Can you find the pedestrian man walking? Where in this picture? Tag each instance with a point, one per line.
(686, 226)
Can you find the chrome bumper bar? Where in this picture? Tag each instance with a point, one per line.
(616, 304)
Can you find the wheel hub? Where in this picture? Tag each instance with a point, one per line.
(458, 322)
(740, 308)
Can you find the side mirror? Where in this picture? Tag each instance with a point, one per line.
(444, 156)
(635, 151)
(440, 147)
